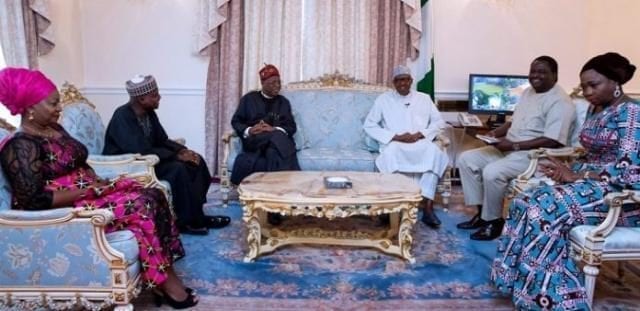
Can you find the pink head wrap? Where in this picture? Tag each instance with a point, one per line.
(22, 88)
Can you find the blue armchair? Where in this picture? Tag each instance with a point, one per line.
(62, 258)
(81, 120)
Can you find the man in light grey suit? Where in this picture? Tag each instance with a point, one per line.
(542, 118)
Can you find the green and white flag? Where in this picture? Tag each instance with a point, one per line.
(423, 66)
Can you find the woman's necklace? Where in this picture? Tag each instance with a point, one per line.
(46, 132)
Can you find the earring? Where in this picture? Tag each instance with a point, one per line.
(31, 115)
(617, 92)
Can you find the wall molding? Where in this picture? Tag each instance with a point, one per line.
(464, 95)
(120, 90)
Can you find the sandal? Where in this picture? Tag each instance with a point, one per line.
(217, 222)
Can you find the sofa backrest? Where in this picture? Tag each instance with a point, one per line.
(81, 120)
(330, 112)
(5, 188)
(582, 107)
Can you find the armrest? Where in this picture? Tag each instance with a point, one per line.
(132, 165)
(226, 149)
(74, 237)
(52, 214)
(442, 141)
(536, 154)
(614, 200)
(135, 166)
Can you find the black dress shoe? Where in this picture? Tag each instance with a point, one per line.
(217, 222)
(475, 223)
(193, 230)
(431, 220)
(491, 230)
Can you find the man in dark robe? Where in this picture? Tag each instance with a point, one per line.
(266, 126)
(135, 128)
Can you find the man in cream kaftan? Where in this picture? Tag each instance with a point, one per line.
(405, 123)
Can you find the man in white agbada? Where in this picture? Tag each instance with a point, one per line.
(405, 123)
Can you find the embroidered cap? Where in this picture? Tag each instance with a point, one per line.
(268, 71)
(401, 70)
(141, 85)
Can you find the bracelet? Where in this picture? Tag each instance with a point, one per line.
(516, 147)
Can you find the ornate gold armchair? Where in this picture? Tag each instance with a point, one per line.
(62, 258)
(590, 245)
(529, 178)
(329, 112)
(81, 120)
(606, 242)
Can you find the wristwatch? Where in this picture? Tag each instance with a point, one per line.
(516, 147)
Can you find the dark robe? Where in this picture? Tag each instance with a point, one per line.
(189, 182)
(264, 152)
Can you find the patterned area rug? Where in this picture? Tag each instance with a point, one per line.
(451, 272)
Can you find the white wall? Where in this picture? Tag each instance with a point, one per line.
(109, 41)
(504, 36)
(102, 43)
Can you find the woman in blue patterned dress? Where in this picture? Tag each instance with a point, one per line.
(533, 263)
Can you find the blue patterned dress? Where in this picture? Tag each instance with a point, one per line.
(533, 264)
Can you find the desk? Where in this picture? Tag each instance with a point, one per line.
(462, 139)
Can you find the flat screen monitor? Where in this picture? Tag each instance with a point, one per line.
(495, 94)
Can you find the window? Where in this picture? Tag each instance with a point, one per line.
(2, 63)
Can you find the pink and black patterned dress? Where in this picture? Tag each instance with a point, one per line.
(37, 166)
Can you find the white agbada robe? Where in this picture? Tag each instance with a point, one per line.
(393, 114)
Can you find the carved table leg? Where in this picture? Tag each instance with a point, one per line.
(404, 234)
(254, 232)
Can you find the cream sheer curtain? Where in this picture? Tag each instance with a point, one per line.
(304, 39)
(25, 31)
(273, 35)
(395, 30)
(222, 22)
(309, 38)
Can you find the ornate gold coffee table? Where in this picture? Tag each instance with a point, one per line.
(302, 193)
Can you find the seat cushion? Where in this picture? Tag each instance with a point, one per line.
(621, 239)
(330, 159)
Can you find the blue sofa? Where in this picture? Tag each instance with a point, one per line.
(329, 112)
